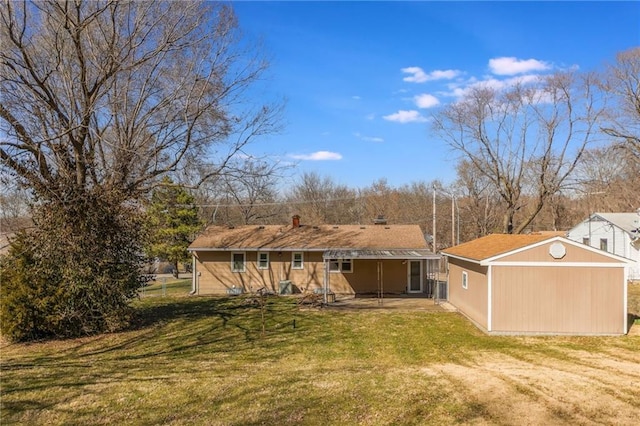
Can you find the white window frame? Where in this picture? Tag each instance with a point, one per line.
(340, 266)
(244, 261)
(263, 253)
(604, 244)
(465, 280)
(293, 260)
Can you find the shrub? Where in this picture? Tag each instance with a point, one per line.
(75, 273)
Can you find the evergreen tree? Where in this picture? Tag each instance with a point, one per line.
(172, 223)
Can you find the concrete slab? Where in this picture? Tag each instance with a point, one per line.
(385, 303)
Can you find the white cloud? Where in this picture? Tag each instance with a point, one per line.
(356, 97)
(511, 65)
(318, 156)
(368, 138)
(457, 90)
(419, 76)
(426, 101)
(371, 116)
(405, 117)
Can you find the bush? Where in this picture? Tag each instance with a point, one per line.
(75, 273)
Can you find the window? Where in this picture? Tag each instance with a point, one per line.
(346, 265)
(334, 265)
(297, 260)
(465, 280)
(340, 265)
(263, 260)
(238, 262)
(586, 241)
(603, 244)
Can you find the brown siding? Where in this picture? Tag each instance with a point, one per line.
(216, 276)
(574, 254)
(472, 301)
(576, 300)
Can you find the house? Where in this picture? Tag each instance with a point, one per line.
(342, 259)
(617, 233)
(538, 284)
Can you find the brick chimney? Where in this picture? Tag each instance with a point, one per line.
(295, 221)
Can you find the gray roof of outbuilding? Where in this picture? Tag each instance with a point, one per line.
(629, 222)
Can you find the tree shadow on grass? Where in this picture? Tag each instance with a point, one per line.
(184, 326)
(150, 314)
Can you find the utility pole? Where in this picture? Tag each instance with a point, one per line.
(434, 220)
(453, 221)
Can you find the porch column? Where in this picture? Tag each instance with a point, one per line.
(325, 280)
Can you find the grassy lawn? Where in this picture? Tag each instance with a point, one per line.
(166, 287)
(206, 361)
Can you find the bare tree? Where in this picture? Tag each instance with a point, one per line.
(115, 94)
(478, 202)
(609, 180)
(622, 82)
(526, 140)
(100, 100)
(14, 206)
(251, 192)
(321, 200)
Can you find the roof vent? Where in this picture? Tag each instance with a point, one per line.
(387, 227)
(335, 227)
(232, 227)
(261, 227)
(363, 227)
(316, 227)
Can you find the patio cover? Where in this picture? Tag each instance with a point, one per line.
(379, 254)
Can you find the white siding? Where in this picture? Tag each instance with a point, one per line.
(618, 241)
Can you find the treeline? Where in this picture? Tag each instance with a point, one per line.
(606, 181)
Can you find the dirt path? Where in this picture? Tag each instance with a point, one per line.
(584, 388)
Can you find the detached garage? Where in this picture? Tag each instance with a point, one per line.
(538, 284)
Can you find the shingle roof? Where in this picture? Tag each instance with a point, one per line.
(629, 222)
(307, 237)
(495, 244)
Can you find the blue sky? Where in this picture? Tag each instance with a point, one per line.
(362, 78)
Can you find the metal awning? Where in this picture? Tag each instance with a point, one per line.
(380, 254)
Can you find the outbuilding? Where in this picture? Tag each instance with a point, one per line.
(538, 284)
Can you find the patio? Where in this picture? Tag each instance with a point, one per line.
(394, 302)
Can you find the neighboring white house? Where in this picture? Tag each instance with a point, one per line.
(617, 233)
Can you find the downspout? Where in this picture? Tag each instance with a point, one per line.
(194, 275)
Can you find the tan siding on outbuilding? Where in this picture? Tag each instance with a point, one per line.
(472, 301)
(574, 254)
(575, 300)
